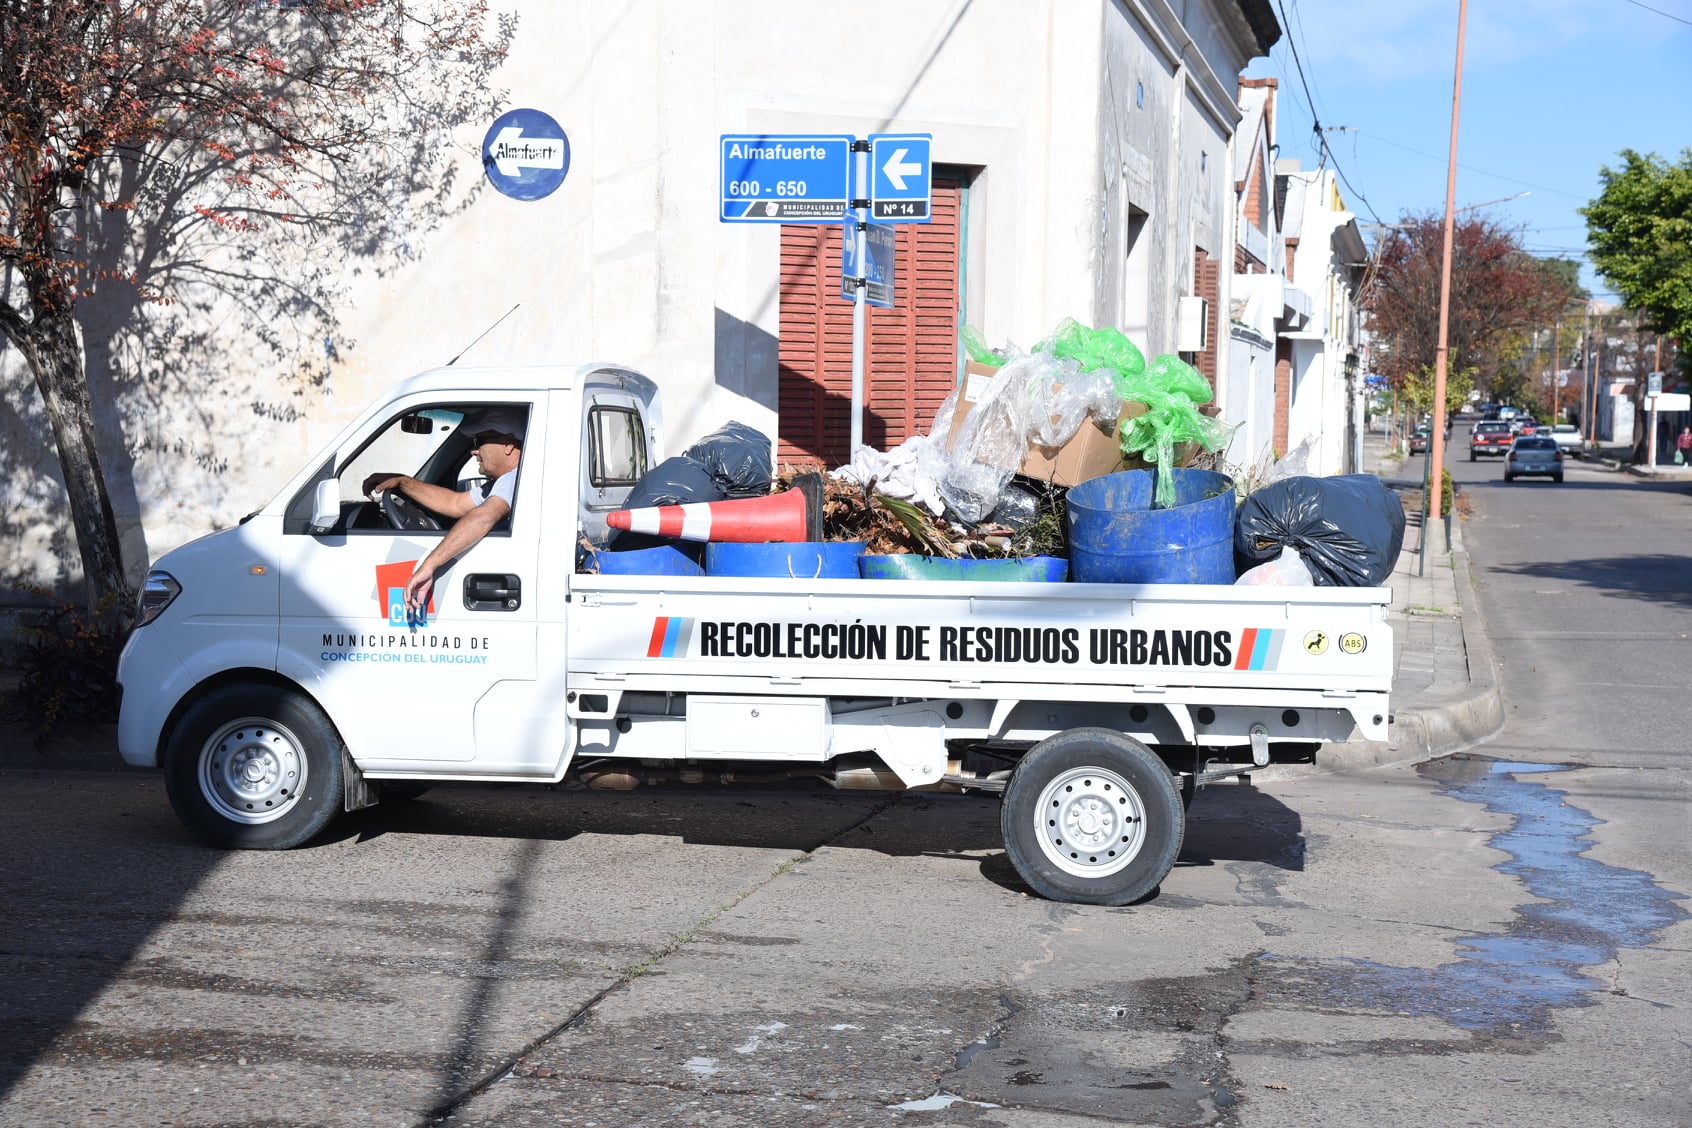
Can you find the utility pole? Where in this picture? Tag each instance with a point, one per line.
(1436, 441)
(1556, 371)
(1586, 373)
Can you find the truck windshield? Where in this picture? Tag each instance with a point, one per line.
(402, 447)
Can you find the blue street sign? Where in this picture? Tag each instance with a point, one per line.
(525, 154)
(901, 177)
(878, 250)
(786, 178)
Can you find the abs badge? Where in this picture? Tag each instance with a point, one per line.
(1316, 642)
(1353, 643)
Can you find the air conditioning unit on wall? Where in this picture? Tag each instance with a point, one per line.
(1192, 319)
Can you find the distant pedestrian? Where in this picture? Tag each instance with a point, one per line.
(1683, 447)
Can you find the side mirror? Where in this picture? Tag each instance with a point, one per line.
(417, 425)
(326, 505)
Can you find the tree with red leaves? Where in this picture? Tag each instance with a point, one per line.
(1498, 292)
(204, 152)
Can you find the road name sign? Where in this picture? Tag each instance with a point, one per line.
(526, 154)
(901, 177)
(797, 178)
(878, 265)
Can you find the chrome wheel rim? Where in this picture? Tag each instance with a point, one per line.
(1090, 822)
(252, 770)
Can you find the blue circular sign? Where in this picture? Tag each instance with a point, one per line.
(526, 154)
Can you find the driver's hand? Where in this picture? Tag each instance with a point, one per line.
(418, 589)
(377, 483)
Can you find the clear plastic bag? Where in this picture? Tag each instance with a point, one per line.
(1286, 570)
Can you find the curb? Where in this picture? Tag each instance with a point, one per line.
(1442, 723)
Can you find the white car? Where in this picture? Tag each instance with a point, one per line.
(1567, 437)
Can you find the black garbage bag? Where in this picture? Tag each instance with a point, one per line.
(1348, 529)
(675, 481)
(738, 457)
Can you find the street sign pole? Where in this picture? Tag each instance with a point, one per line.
(860, 212)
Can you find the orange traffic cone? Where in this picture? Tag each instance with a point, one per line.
(795, 515)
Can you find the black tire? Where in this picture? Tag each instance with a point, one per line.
(1509, 477)
(1093, 817)
(254, 767)
(1558, 478)
(1471, 454)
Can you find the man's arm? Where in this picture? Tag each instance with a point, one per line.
(463, 535)
(439, 499)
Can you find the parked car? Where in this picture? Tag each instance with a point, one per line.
(1421, 439)
(1489, 438)
(1534, 456)
(1567, 438)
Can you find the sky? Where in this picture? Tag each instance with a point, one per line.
(1553, 90)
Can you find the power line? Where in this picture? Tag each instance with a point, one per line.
(1660, 12)
(1471, 168)
(1325, 155)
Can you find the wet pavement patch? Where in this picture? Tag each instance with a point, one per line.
(1507, 984)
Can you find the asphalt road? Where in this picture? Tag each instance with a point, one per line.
(1455, 945)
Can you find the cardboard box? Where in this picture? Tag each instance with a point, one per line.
(1092, 453)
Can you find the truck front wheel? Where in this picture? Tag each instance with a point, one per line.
(255, 767)
(1092, 816)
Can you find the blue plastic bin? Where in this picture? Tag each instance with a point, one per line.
(662, 560)
(1116, 537)
(911, 566)
(799, 560)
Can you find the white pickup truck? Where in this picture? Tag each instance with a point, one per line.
(277, 678)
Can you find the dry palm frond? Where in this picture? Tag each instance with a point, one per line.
(920, 526)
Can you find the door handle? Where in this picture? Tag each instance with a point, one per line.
(493, 591)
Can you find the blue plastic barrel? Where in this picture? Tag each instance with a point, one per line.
(799, 560)
(1116, 537)
(662, 560)
(911, 566)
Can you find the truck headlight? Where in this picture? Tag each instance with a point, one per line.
(156, 594)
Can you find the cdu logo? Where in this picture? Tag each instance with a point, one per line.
(390, 595)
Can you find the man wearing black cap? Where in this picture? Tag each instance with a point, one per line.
(497, 443)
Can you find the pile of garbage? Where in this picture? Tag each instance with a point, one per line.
(990, 479)
(1024, 427)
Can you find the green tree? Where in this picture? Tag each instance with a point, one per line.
(1640, 232)
(1417, 389)
(201, 152)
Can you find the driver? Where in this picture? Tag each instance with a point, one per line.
(497, 444)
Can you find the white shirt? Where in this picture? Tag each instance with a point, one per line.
(504, 486)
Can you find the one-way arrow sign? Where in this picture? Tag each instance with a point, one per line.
(901, 177)
(525, 154)
(897, 168)
(512, 152)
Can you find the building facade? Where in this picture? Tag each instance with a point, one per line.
(1084, 163)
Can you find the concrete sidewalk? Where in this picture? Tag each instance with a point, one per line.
(1445, 685)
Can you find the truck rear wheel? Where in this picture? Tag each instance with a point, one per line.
(255, 767)
(1093, 817)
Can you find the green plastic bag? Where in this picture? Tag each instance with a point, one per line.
(976, 348)
(1094, 348)
(1172, 390)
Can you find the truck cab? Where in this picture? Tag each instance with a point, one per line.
(310, 586)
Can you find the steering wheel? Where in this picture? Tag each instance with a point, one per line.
(406, 515)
